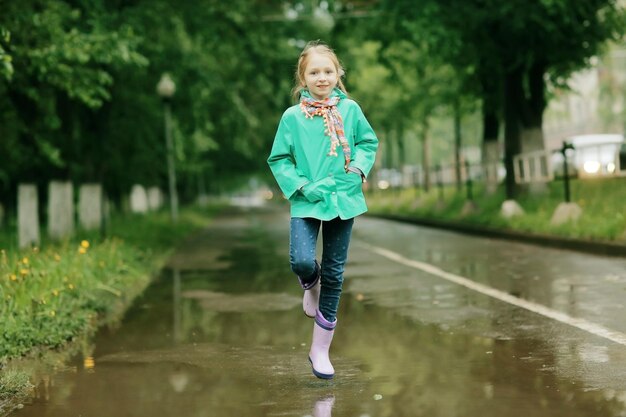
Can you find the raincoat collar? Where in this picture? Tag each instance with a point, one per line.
(336, 92)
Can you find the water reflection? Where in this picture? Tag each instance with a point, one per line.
(176, 331)
(89, 363)
(179, 380)
(324, 406)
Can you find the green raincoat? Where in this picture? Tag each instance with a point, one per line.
(317, 185)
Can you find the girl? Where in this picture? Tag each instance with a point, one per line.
(323, 150)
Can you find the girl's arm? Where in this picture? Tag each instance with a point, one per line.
(365, 145)
(283, 164)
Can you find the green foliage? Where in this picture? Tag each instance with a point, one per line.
(6, 67)
(64, 59)
(60, 47)
(82, 102)
(486, 39)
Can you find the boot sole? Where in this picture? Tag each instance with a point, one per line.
(319, 374)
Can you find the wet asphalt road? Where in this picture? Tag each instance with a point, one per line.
(221, 332)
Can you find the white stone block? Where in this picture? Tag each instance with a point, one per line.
(510, 208)
(27, 215)
(90, 206)
(155, 198)
(60, 209)
(566, 212)
(138, 199)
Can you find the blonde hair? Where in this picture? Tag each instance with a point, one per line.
(322, 49)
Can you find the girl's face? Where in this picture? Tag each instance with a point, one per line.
(320, 76)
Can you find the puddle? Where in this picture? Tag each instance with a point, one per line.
(222, 302)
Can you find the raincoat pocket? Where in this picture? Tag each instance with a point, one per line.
(315, 191)
(355, 183)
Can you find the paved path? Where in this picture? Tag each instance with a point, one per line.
(431, 323)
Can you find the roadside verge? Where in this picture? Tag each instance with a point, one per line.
(587, 246)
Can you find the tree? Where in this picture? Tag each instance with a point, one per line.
(81, 103)
(6, 68)
(511, 50)
(62, 61)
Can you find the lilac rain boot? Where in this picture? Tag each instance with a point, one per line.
(323, 331)
(311, 298)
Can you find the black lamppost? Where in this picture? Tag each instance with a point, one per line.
(166, 89)
(566, 146)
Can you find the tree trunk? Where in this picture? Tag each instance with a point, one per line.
(513, 96)
(532, 110)
(532, 138)
(201, 182)
(400, 144)
(491, 147)
(457, 144)
(387, 150)
(425, 154)
(401, 153)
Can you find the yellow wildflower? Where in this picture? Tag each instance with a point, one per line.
(57, 257)
(25, 261)
(70, 286)
(84, 244)
(55, 293)
(53, 313)
(23, 272)
(82, 250)
(13, 277)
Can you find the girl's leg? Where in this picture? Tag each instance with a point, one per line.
(303, 240)
(336, 234)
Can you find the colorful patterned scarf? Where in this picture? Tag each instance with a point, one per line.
(333, 122)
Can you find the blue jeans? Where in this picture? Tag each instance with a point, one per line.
(336, 236)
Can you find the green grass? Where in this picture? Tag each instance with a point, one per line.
(51, 294)
(603, 202)
(62, 292)
(12, 382)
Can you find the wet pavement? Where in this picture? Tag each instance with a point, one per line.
(221, 333)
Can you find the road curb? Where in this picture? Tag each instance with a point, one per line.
(587, 246)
